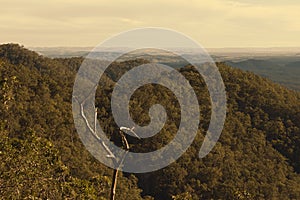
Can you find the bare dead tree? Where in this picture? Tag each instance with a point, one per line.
(116, 171)
(109, 153)
(93, 131)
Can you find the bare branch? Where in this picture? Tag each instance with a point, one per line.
(93, 131)
(110, 154)
(123, 128)
(116, 171)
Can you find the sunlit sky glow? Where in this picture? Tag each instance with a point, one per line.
(213, 23)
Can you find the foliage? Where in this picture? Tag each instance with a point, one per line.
(257, 156)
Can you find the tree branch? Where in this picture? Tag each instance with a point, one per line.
(110, 154)
(93, 131)
(116, 171)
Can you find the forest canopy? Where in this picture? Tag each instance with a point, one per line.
(256, 157)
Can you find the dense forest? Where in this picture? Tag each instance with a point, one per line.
(42, 157)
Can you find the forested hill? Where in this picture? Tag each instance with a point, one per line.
(257, 156)
(285, 71)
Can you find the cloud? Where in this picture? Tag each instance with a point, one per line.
(214, 23)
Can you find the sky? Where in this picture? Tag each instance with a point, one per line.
(212, 23)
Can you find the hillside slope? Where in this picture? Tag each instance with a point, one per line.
(280, 70)
(257, 156)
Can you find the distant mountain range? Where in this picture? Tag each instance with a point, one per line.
(220, 54)
(277, 69)
(281, 65)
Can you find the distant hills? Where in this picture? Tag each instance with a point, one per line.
(279, 69)
(281, 65)
(221, 53)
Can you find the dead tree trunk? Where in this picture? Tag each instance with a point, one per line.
(110, 154)
(116, 171)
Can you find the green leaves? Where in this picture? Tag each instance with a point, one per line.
(257, 156)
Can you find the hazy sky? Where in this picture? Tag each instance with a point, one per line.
(213, 23)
